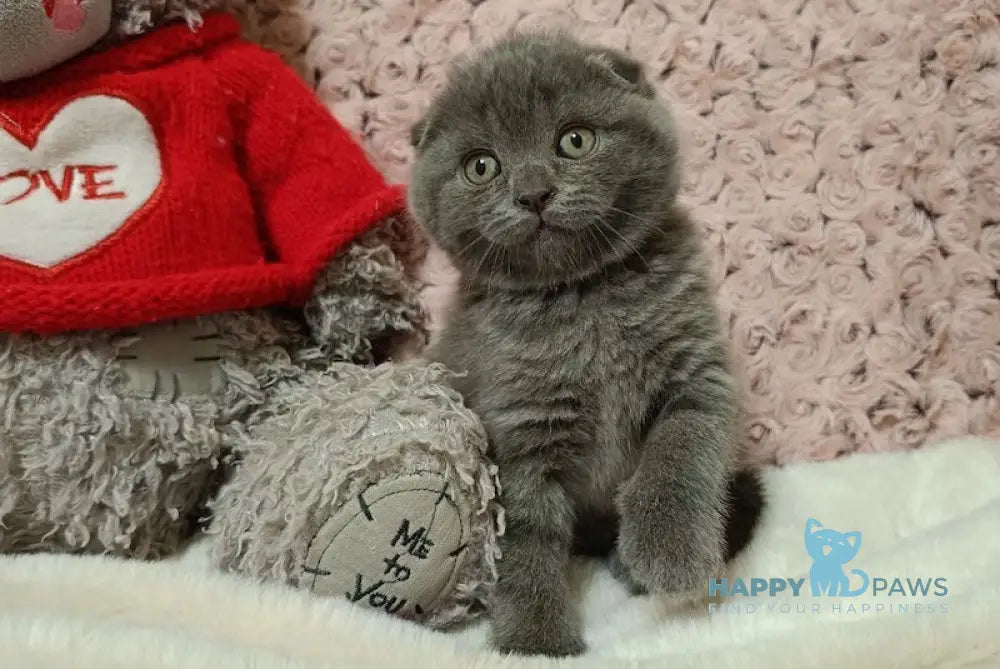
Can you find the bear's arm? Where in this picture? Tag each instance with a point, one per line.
(314, 187)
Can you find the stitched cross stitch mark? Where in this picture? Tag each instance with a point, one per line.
(170, 362)
(444, 494)
(364, 506)
(316, 571)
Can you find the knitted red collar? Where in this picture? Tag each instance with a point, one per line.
(158, 46)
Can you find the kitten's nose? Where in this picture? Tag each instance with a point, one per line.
(535, 199)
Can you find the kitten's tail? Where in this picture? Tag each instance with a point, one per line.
(746, 503)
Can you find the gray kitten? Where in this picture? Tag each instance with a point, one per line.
(547, 170)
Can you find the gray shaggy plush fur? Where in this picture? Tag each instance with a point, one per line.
(365, 293)
(85, 465)
(114, 442)
(134, 17)
(351, 427)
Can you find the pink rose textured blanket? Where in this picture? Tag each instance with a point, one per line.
(843, 162)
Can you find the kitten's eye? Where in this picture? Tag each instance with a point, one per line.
(481, 168)
(577, 142)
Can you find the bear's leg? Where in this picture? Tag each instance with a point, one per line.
(372, 487)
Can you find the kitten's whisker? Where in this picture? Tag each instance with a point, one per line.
(572, 255)
(479, 238)
(579, 235)
(483, 259)
(596, 258)
(641, 219)
(607, 241)
(493, 267)
(629, 245)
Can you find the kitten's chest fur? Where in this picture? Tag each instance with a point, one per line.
(573, 371)
(555, 345)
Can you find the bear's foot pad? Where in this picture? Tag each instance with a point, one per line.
(397, 546)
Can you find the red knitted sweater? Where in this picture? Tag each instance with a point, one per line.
(185, 173)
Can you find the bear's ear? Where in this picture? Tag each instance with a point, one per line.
(624, 68)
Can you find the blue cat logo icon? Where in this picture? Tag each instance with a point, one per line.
(830, 551)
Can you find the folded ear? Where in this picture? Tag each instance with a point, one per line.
(625, 68)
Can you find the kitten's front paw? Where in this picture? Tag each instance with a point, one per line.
(664, 550)
(526, 624)
(549, 638)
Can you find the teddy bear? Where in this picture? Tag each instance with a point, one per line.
(202, 282)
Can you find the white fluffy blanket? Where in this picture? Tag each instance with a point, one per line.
(933, 513)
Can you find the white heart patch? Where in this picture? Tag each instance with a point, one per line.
(90, 170)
